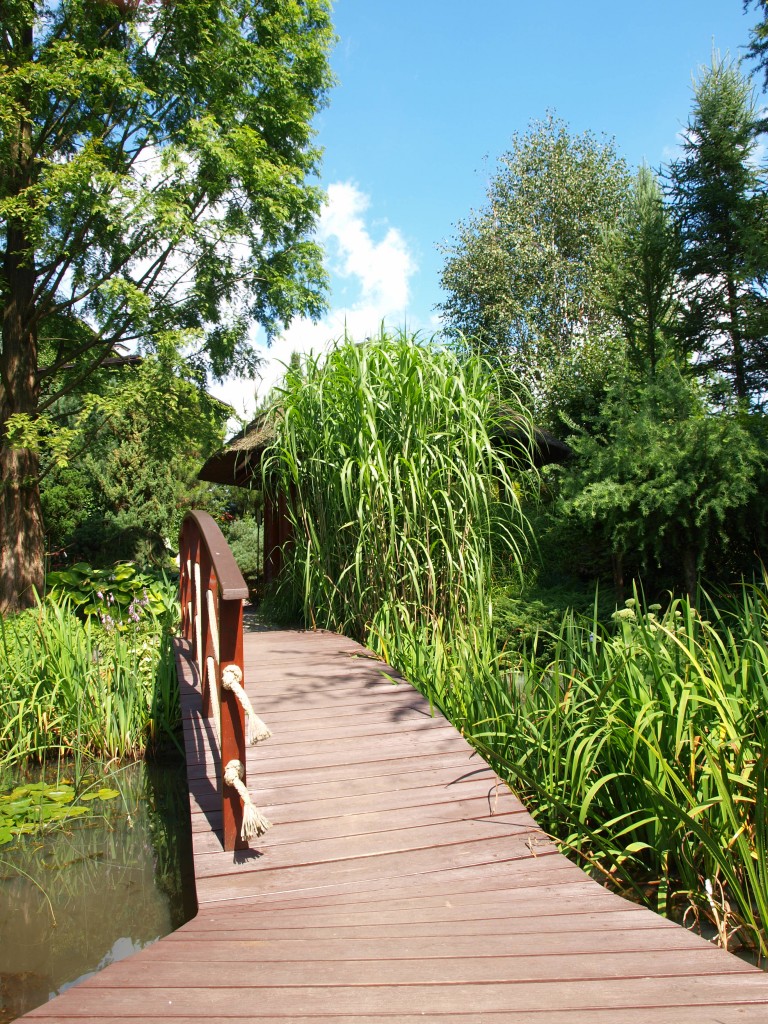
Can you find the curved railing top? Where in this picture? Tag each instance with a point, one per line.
(232, 586)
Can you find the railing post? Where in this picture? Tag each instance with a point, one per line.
(206, 581)
(232, 719)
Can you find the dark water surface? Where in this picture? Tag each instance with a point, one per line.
(79, 898)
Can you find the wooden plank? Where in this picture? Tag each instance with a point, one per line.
(200, 1003)
(145, 972)
(701, 1014)
(311, 944)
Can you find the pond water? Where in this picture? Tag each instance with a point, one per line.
(78, 898)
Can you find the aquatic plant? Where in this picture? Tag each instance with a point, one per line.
(84, 685)
(644, 749)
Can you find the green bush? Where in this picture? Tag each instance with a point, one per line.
(118, 596)
(245, 539)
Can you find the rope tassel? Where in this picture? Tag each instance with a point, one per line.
(232, 679)
(254, 822)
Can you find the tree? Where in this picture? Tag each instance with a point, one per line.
(521, 275)
(134, 476)
(665, 481)
(721, 203)
(154, 191)
(758, 46)
(639, 264)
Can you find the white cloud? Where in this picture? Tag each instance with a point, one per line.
(370, 284)
(383, 268)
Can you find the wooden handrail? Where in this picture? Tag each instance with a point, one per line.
(212, 591)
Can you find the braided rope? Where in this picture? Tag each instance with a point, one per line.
(254, 822)
(232, 679)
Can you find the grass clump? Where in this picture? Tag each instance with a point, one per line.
(90, 674)
(398, 492)
(644, 749)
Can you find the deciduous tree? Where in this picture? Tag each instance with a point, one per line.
(155, 166)
(521, 274)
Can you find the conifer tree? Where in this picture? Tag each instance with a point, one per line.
(640, 262)
(720, 202)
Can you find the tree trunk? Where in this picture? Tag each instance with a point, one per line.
(22, 547)
(21, 530)
(738, 360)
(21, 525)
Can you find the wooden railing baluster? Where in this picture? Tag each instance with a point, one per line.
(215, 631)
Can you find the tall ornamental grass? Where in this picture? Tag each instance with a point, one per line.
(645, 751)
(398, 492)
(90, 685)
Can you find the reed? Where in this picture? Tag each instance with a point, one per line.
(643, 750)
(397, 490)
(77, 685)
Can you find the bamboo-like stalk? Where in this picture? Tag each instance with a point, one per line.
(398, 490)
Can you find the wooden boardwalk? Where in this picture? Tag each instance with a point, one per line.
(400, 882)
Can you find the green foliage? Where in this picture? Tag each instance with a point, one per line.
(720, 201)
(527, 617)
(662, 478)
(140, 144)
(643, 749)
(245, 539)
(397, 490)
(33, 806)
(522, 274)
(118, 596)
(640, 258)
(130, 473)
(89, 685)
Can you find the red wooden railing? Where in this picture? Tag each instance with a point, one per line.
(212, 591)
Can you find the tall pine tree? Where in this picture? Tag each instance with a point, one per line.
(720, 200)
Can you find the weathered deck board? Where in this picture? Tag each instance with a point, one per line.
(400, 882)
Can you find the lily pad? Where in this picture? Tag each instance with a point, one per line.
(101, 794)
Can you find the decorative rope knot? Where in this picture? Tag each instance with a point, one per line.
(232, 679)
(254, 822)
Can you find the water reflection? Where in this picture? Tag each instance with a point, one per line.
(77, 900)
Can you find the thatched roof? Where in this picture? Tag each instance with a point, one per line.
(239, 461)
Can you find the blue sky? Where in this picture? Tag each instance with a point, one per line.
(429, 95)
